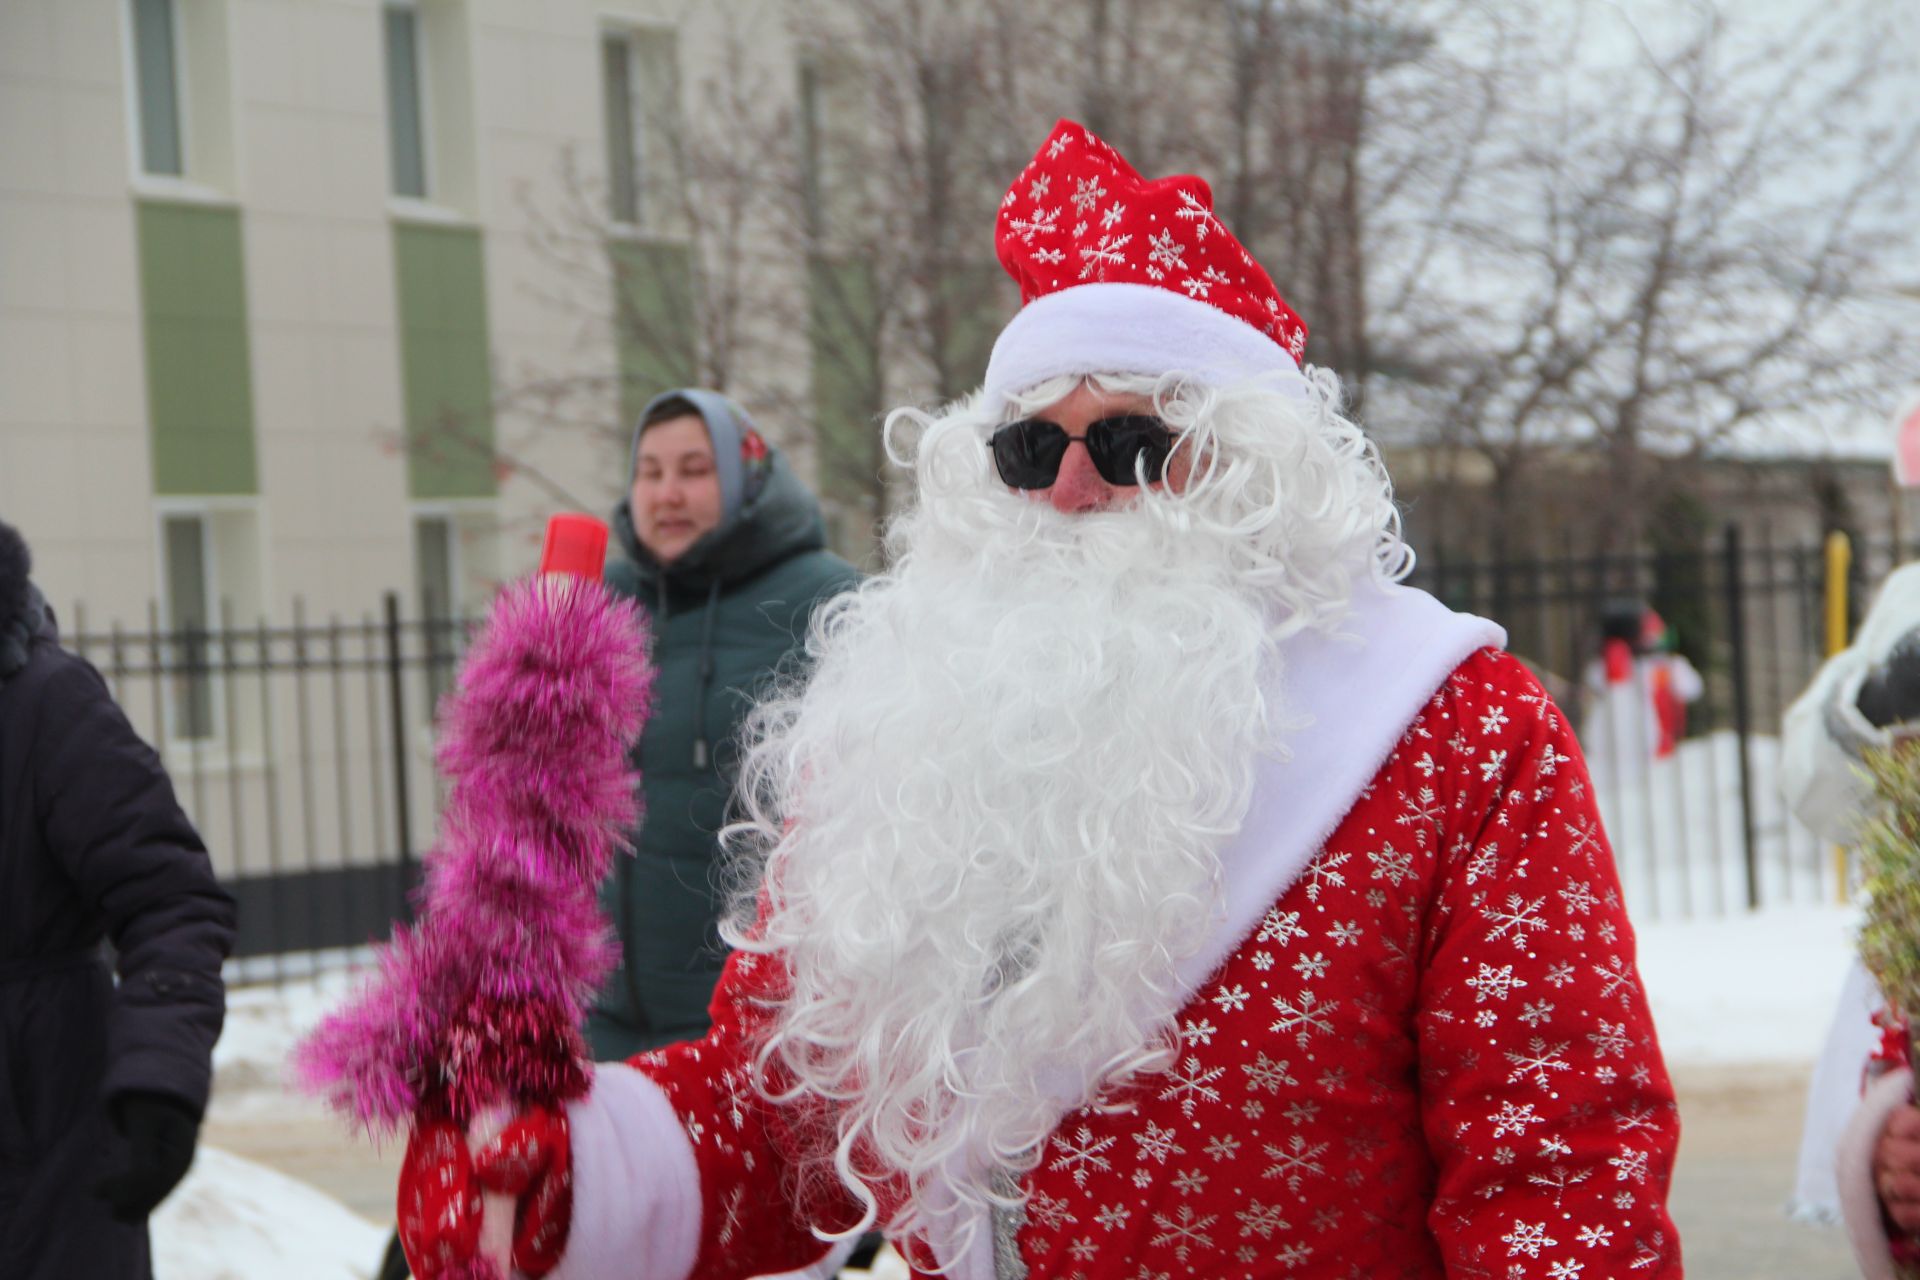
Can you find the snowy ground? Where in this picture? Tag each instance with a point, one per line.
(1726, 992)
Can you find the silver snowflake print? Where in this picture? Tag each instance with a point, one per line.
(1113, 1216)
(1586, 839)
(1494, 984)
(1578, 895)
(1191, 1182)
(1514, 1119)
(1423, 811)
(1193, 211)
(1087, 192)
(1558, 1179)
(1097, 257)
(1311, 967)
(1223, 1146)
(1185, 1231)
(1050, 1212)
(1560, 974)
(1303, 1015)
(1536, 1012)
(1165, 252)
(1262, 1220)
(1391, 866)
(1114, 213)
(1295, 1160)
(1610, 1041)
(1081, 1154)
(1192, 1085)
(1346, 934)
(1634, 1118)
(1596, 1237)
(1280, 927)
(1630, 1165)
(1231, 999)
(1515, 919)
(1325, 870)
(1157, 1144)
(1528, 1239)
(1044, 222)
(1619, 981)
(1536, 1064)
(1200, 1032)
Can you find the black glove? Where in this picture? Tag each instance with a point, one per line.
(160, 1133)
(1891, 693)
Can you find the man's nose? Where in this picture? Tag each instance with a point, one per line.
(1079, 487)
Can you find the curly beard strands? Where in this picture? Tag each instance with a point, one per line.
(1009, 779)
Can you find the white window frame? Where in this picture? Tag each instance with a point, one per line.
(422, 205)
(165, 511)
(631, 33)
(624, 34)
(215, 752)
(191, 185)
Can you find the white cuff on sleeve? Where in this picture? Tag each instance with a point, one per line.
(636, 1185)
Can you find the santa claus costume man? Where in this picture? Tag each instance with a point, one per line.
(1145, 884)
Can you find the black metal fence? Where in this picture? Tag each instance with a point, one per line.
(304, 751)
(1702, 829)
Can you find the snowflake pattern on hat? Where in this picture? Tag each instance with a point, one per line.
(1080, 214)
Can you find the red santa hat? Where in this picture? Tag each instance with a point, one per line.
(1119, 274)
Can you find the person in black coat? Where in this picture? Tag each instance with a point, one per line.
(102, 1084)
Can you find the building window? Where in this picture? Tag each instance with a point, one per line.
(156, 65)
(436, 566)
(189, 616)
(405, 124)
(623, 158)
(640, 93)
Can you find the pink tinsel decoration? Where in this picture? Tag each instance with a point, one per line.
(482, 1001)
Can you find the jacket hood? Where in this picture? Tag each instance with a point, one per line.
(24, 616)
(759, 526)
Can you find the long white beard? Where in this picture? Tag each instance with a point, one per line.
(1010, 775)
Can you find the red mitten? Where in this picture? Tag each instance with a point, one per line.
(439, 1202)
(530, 1160)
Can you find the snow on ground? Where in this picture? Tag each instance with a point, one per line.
(1750, 988)
(233, 1219)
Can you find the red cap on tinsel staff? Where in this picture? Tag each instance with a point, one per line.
(1121, 274)
(576, 544)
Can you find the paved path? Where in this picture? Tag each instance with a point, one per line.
(1740, 1129)
(1739, 1137)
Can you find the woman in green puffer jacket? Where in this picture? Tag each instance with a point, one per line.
(726, 552)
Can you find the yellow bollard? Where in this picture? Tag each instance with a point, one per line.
(1839, 561)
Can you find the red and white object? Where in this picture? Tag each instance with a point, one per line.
(1906, 444)
(1119, 273)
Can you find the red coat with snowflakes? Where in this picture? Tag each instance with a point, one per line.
(1433, 1058)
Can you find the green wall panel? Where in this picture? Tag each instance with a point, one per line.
(843, 334)
(653, 321)
(199, 375)
(445, 373)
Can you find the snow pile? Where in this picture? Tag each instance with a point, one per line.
(1756, 988)
(233, 1219)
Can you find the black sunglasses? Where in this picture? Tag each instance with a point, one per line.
(1124, 450)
